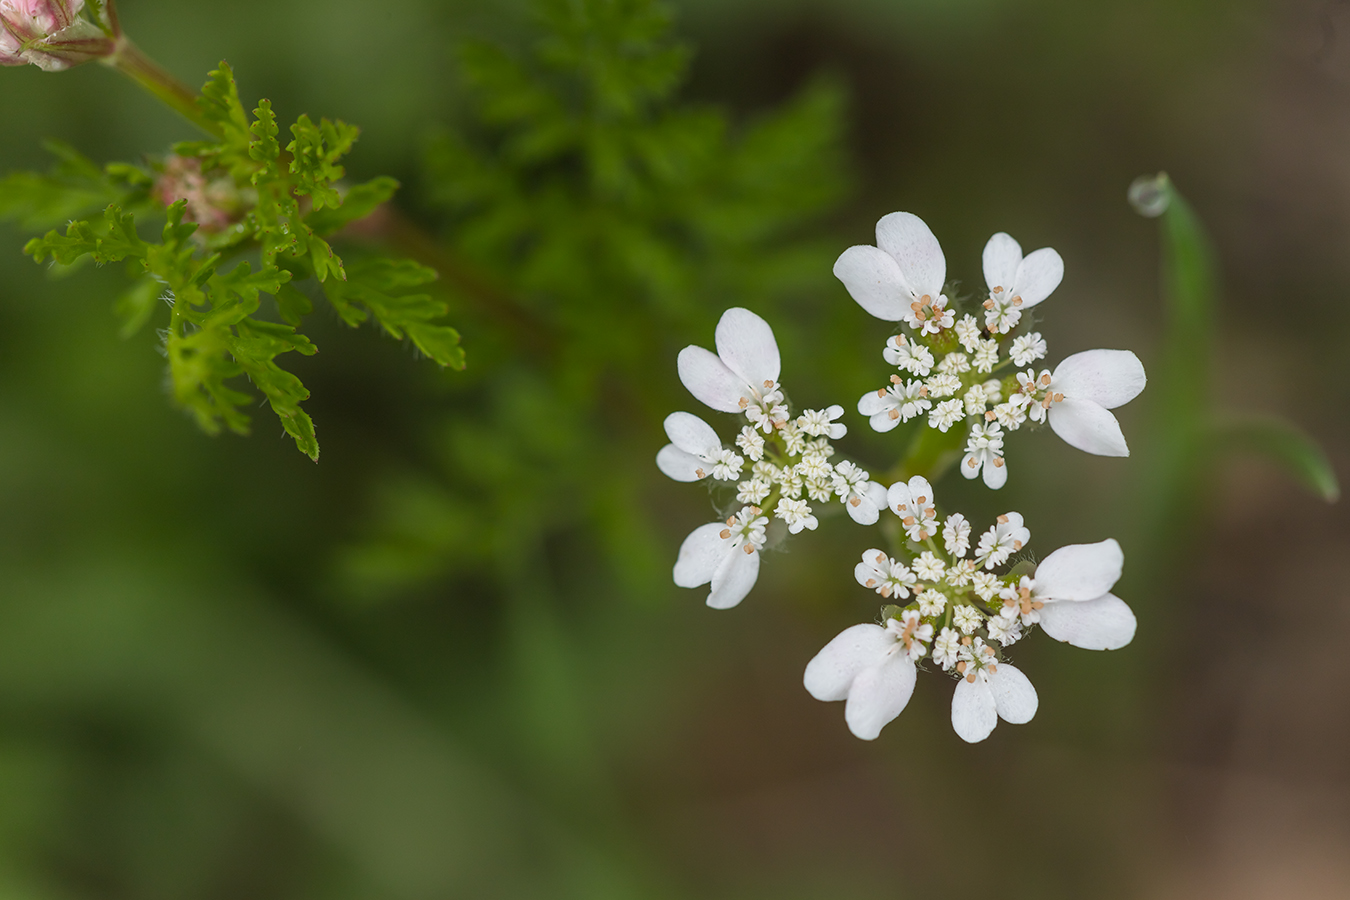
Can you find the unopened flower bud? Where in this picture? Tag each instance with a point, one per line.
(50, 34)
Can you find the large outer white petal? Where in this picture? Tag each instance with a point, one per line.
(710, 381)
(974, 712)
(1109, 378)
(1089, 427)
(679, 465)
(870, 502)
(1105, 623)
(878, 695)
(921, 491)
(1014, 697)
(1080, 571)
(873, 279)
(1002, 256)
(691, 434)
(746, 344)
(870, 403)
(912, 244)
(995, 476)
(734, 578)
(830, 673)
(967, 470)
(898, 495)
(701, 554)
(1038, 276)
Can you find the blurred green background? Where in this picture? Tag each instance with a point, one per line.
(448, 660)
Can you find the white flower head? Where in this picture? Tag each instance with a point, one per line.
(960, 573)
(913, 502)
(886, 576)
(956, 535)
(967, 618)
(968, 332)
(932, 602)
(1002, 540)
(946, 647)
(751, 443)
(1011, 414)
(1078, 395)
(986, 356)
(989, 690)
(911, 633)
(985, 585)
(742, 377)
(945, 415)
(1016, 284)
(725, 554)
(752, 491)
(814, 467)
(1073, 589)
(943, 384)
(870, 668)
(955, 363)
(1005, 631)
(796, 514)
(901, 277)
(767, 470)
(863, 499)
(817, 422)
(976, 400)
(929, 567)
(888, 407)
(794, 441)
(984, 453)
(908, 354)
(1028, 348)
(695, 451)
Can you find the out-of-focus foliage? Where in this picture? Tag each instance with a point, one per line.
(283, 204)
(601, 216)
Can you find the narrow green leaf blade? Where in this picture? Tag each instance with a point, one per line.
(1284, 444)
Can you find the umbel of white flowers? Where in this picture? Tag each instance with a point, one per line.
(949, 367)
(789, 459)
(963, 616)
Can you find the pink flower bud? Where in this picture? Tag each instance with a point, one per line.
(50, 34)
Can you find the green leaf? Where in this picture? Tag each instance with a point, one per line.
(254, 348)
(381, 288)
(292, 305)
(360, 201)
(314, 155)
(264, 146)
(73, 188)
(136, 304)
(1284, 444)
(219, 102)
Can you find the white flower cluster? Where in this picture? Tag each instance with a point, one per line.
(961, 613)
(948, 366)
(783, 464)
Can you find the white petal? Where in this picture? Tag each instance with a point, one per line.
(1002, 256)
(1080, 571)
(995, 476)
(700, 555)
(1105, 623)
(710, 381)
(906, 238)
(734, 578)
(865, 571)
(873, 279)
(974, 712)
(746, 344)
(681, 466)
(870, 503)
(692, 435)
(921, 490)
(1038, 276)
(1014, 697)
(967, 469)
(830, 673)
(1089, 427)
(870, 403)
(898, 495)
(882, 422)
(878, 695)
(1109, 378)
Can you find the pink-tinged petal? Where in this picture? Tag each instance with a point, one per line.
(967, 470)
(830, 673)
(906, 238)
(1105, 623)
(878, 695)
(734, 578)
(1109, 378)
(710, 381)
(1002, 256)
(872, 403)
(974, 711)
(1080, 571)
(873, 279)
(1089, 427)
(681, 466)
(745, 342)
(1038, 276)
(691, 434)
(996, 476)
(700, 555)
(1014, 697)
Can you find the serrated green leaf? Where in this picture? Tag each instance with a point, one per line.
(380, 288)
(219, 103)
(440, 342)
(315, 151)
(360, 201)
(136, 304)
(292, 305)
(1282, 443)
(264, 146)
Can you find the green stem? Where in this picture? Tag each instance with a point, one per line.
(931, 454)
(131, 62)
